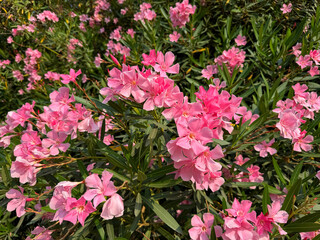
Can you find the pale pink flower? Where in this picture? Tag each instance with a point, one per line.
(289, 124)
(240, 160)
(18, 201)
(131, 32)
(55, 142)
(179, 15)
(174, 37)
(318, 175)
(302, 142)
(209, 71)
(201, 230)
(113, 207)
(10, 40)
(265, 148)
(99, 189)
(79, 210)
(164, 64)
(97, 60)
(296, 49)
(41, 234)
(241, 40)
(286, 8)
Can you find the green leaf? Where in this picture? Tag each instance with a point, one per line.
(165, 183)
(309, 218)
(138, 205)
(112, 156)
(160, 172)
(165, 233)
(301, 227)
(101, 231)
(278, 171)
(110, 230)
(82, 169)
(265, 200)
(293, 191)
(296, 173)
(163, 214)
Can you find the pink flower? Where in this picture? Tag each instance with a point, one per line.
(149, 59)
(179, 15)
(200, 230)
(313, 71)
(71, 77)
(10, 40)
(18, 201)
(241, 211)
(289, 124)
(309, 235)
(296, 50)
(113, 207)
(97, 60)
(286, 8)
(265, 148)
(131, 32)
(41, 234)
(174, 37)
(318, 175)
(55, 142)
(79, 210)
(304, 61)
(99, 189)
(164, 64)
(240, 160)
(209, 71)
(241, 40)
(302, 142)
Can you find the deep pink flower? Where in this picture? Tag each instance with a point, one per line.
(71, 77)
(289, 124)
(79, 210)
(149, 59)
(313, 71)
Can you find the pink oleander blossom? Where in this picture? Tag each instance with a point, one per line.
(164, 64)
(113, 207)
(79, 210)
(241, 40)
(202, 230)
(174, 37)
(71, 77)
(313, 71)
(302, 142)
(18, 201)
(209, 71)
(304, 61)
(99, 189)
(265, 148)
(286, 8)
(41, 234)
(149, 59)
(179, 14)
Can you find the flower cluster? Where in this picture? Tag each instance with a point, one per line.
(58, 121)
(179, 14)
(47, 15)
(310, 60)
(233, 58)
(291, 113)
(145, 13)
